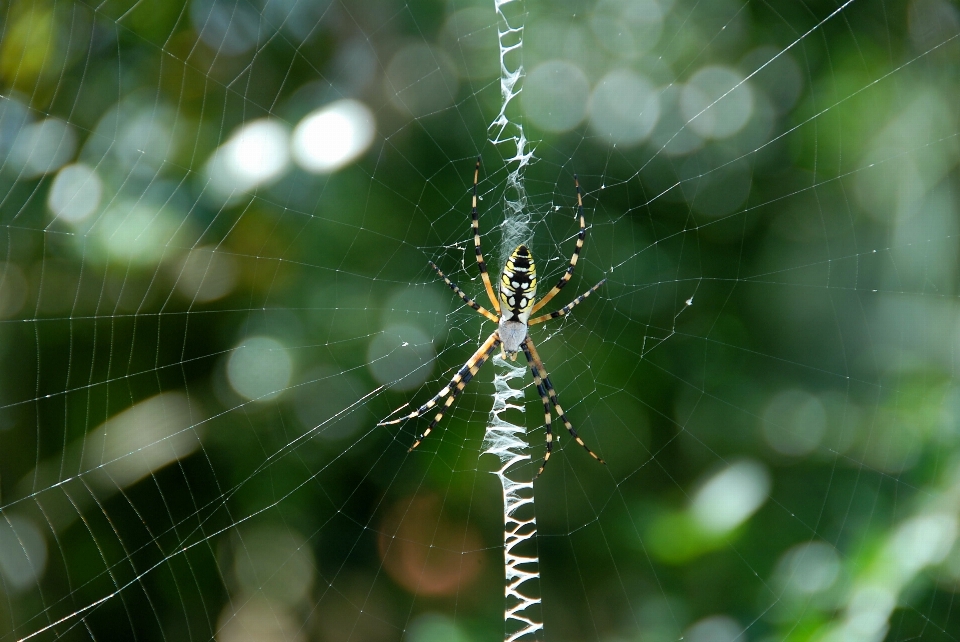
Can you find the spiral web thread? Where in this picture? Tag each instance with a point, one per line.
(522, 618)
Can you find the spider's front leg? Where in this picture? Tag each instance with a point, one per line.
(573, 259)
(460, 293)
(475, 227)
(452, 390)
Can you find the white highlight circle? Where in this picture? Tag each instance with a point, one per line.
(75, 193)
(256, 154)
(555, 95)
(43, 147)
(333, 136)
(710, 110)
(731, 496)
(624, 107)
(259, 368)
(23, 553)
(809, 568)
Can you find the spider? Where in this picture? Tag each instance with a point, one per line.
(518, 289)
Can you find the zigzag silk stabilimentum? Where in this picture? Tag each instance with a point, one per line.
(522, 616)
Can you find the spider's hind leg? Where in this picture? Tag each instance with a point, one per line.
(475, 227)
(547, 421)
(536, 362)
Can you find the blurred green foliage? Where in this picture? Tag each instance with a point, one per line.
(194, 362)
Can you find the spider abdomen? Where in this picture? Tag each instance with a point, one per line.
(518, 286)
(512, 335)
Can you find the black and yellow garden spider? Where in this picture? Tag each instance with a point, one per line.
(518, 289)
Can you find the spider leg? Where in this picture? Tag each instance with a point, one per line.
(547, 421)
(475, 224)
(451, 390)
(466, 373)
(573, 259)
(566, 309)
(492, 341)
(470, 302)
(531, 353)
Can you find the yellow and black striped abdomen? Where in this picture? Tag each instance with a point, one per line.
(518, 286)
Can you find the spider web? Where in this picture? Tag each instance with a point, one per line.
(218, 218)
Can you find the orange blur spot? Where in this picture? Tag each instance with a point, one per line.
(426, 552)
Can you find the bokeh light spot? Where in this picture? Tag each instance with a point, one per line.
(23, 553)
(777, 73)
(435, 627)
(257, 619)
(809, 568)
(43, 147)
(256, 154)
(707, 107)
(141, 440)
(564, 38)
(716, 628)
(137, 232)
(627, 28)
(229, 27)
(75, 193)
(671, 135)
(333, 136)
(421, 80)
(14, 116)
(352, 70)
(624, 107)
(794, 422)
(426, 552)
(136, 137)
(934, 21)
(555, 95)
(299, 18)
(206, 275)
(731, 496)
(274, 561)
(259, 368)
(401, 357)
(420, 306)
(471, 40)
(892, 191)
(922, 541)
(868, 611)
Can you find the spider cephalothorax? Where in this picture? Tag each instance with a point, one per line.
(518, 290)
